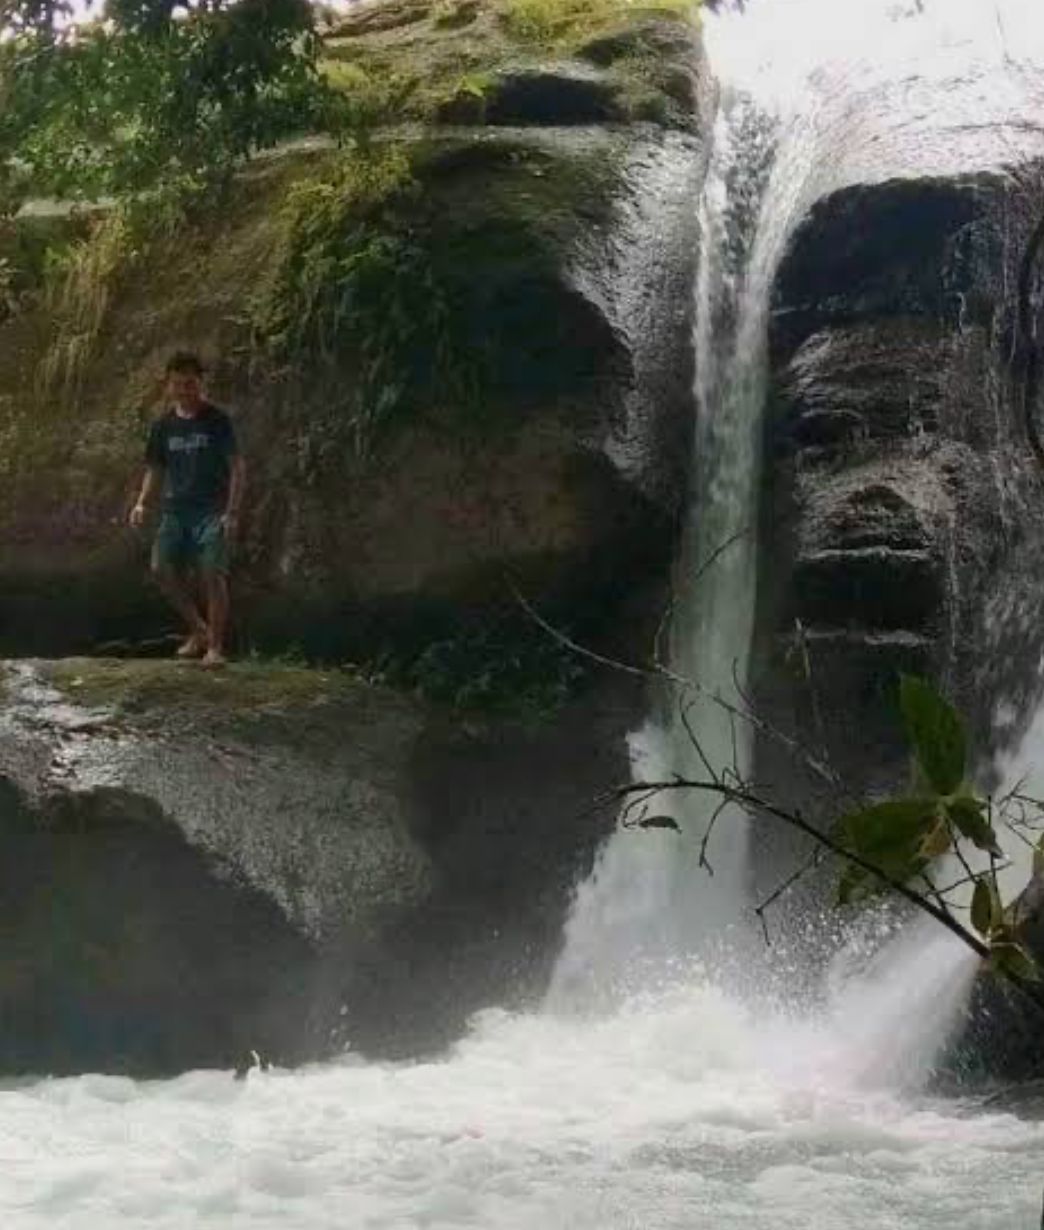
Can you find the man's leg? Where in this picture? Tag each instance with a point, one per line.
(215, 586)
(177, 594)
(167, 560)
(212, 553)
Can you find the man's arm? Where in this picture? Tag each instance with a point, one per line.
(151, 484)
(237, 483)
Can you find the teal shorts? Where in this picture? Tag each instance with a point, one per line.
(190, 539)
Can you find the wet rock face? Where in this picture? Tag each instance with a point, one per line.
(277, 861)
(1003, 1028)
(906, 523)
(125, 951)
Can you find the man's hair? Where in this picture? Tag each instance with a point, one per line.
(184, 363)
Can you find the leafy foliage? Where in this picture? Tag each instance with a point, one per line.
(506, 667)
(936, 734)
(354, 293)
(891, 836)
(158, 94)
(896, 841)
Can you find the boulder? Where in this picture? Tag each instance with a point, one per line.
(278, 860)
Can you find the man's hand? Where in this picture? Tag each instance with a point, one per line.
(137, 516)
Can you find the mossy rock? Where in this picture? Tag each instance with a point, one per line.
(422, 481)
(500, 62)
(169, 688)
(560, 95)
(453, 495)
(276, 859)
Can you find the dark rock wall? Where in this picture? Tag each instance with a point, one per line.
(905, 502)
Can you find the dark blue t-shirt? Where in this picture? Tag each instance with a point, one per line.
(196, 457)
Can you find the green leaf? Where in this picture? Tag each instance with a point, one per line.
(893, 822)
(968, 817)
(1015, 961)
(891, 836)
(936, 733)
(982, 907)
(938, 841)
(888, 828)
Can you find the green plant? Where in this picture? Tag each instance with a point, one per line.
(79, 286)
(362, 101)
(506, 667)
(475, 85)
(355, 300)
(898, 840)
(81, 280)
(894, 845)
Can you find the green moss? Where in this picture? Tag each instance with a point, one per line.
(168, 686)
(404, 75)
(430, 66)
(405, 292)
(565, 24)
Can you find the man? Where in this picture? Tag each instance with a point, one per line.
(193, 458)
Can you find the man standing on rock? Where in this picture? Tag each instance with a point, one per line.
(193, 459)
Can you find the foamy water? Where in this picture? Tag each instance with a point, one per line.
(684, 1114)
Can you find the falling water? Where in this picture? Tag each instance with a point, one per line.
(857, 99)
(677, 1102)
(652, 903)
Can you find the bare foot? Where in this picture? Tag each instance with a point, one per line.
(194, 647)
(214, 659)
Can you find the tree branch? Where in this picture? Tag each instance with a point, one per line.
(795, 820)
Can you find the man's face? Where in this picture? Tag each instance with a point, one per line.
(185, 390)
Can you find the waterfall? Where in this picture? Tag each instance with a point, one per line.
(657, 901)
(692, 1103)
(650, 903)
(812, 98)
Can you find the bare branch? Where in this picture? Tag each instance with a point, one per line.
(784, 888)
(683, 713)
(745, 798)
(691, 686)
(692, 581)
(722, 806)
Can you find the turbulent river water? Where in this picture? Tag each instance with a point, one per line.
(659, 1088)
